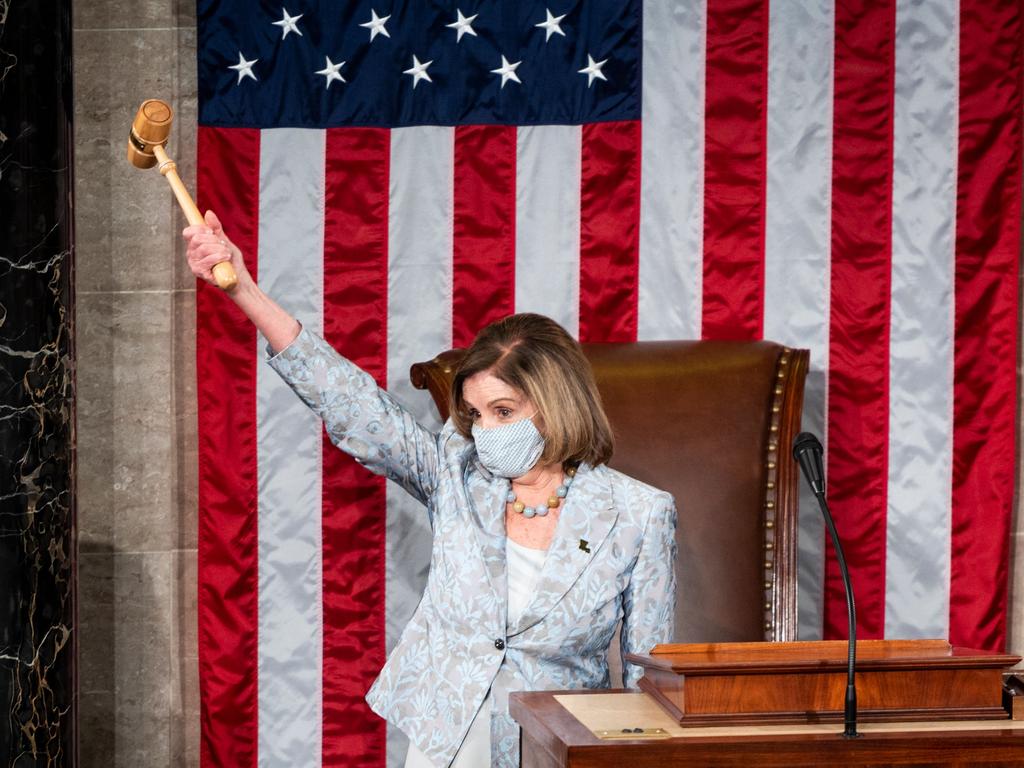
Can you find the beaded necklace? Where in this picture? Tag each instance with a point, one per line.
(553, 500)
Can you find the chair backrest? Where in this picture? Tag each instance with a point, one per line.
(711, 422)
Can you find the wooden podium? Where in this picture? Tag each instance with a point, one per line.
(780, 704)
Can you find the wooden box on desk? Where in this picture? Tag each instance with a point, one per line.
(799, 682)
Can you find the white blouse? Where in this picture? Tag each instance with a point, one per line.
(523, 566)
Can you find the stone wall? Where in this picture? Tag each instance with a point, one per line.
(136, 401)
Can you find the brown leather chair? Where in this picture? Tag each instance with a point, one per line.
(711, 422)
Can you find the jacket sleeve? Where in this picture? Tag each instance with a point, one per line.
(361, 418)
(649, 598)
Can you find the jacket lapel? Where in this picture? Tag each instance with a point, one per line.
(585, 521)
(487, 504)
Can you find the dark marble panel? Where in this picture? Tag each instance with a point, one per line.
(37, 572)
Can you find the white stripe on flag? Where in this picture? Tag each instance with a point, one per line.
(548, 162)
(798, 225)
(288, 438)
(419, 326)
(672, 171)
(921, 333)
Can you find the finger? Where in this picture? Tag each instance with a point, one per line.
(194, 239)
(211, 244)
(214, 223)
(204, 244)
(207, 264)
(201, 270)
(205, 259)
(205, 238)
(216, 251)
(197, 229)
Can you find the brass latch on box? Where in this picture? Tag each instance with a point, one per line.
(633, 733)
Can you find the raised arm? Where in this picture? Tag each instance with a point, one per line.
(361, 419)
(208, 246)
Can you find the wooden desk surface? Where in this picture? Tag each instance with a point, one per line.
(558, 730)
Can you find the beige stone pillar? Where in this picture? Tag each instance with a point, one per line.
(136, 404)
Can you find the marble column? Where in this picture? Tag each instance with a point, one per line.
(37, 512)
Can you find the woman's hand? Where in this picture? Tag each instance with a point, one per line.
(208, 246)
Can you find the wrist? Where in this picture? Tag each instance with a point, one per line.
(246, 289)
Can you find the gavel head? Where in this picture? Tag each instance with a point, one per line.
(151, 126)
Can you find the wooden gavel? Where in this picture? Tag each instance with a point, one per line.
(150, 130)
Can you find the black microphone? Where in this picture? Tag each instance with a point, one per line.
(807, 451)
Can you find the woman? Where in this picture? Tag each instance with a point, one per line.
(538, 547)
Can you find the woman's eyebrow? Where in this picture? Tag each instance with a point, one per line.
(501, 400)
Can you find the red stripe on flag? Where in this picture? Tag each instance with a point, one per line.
(735, 150)
(609, 231)
(228, 183)
(858, 384)
(484, 236)
(986, 335)
(355, 323)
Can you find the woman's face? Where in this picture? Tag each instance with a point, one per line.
(492, 402)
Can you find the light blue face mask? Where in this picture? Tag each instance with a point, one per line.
(510, 450)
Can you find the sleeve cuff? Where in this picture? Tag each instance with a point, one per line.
(289, 350)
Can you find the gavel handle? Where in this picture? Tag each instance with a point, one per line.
(223, 272)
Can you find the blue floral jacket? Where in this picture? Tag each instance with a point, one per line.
(612, 558)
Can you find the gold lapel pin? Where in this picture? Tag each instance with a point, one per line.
(585, 545)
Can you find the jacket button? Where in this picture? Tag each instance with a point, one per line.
(499, 644)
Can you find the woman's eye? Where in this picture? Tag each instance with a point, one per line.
(474, 414)
(504, 412)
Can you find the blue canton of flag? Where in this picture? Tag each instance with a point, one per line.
(323, 64)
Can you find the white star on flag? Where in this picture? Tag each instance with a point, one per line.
(462, 25)
(593, 70)
(288, 24)
(243, 68)
(331, 71)
(551, 25)
(376, 25)
(418, 71)
(507, 71)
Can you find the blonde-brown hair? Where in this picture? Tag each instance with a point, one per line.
(538, 357)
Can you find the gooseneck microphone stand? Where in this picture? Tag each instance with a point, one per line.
(807, 451)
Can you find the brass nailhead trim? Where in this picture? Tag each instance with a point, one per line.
(771, 479)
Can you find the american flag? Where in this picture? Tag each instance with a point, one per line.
(838, 176)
